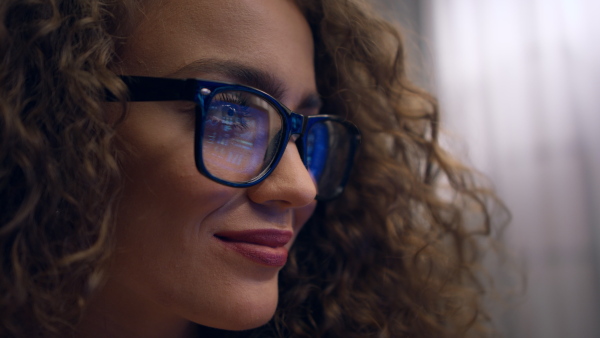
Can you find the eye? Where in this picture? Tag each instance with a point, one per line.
(230, 111)
(227, 119)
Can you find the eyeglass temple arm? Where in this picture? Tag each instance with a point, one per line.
(143, 88)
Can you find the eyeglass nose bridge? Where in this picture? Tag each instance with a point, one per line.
(296, 123)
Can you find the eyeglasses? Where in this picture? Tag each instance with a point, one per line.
(241, 133)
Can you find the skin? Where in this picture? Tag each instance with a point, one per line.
(169, 270)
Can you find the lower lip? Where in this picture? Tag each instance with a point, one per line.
(264, 255)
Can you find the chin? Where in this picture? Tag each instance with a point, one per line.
(248, 311)
(247, 323)
(250, 323)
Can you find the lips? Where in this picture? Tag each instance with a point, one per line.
(264, 246)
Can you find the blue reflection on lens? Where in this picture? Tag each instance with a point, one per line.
(317, 149)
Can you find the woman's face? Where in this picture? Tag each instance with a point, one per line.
(180, 254)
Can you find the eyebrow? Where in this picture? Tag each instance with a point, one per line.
(248, 76)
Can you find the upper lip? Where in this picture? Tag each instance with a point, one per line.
(273, 238)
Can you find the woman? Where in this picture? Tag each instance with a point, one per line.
(179, 206)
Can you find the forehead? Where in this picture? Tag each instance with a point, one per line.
(271, 35)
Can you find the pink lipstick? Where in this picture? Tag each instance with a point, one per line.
(265, 246)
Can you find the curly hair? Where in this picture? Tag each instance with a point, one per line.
(396, 256)
(59, 174)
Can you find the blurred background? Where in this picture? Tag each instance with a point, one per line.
(519, 87)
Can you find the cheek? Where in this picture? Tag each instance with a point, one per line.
(160, 177)
(160, 238)
(164, 198)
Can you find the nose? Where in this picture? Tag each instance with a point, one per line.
(288, 186)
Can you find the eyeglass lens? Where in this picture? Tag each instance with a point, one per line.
(327, 152)
(240, 136)
(243, 132)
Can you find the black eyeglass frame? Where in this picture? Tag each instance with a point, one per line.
(142, 88)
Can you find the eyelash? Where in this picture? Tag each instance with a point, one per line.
(238, 99)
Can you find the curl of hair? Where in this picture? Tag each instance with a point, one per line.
(58, 177)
